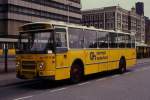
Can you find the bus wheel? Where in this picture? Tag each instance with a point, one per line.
(76, 73)
(122, 66)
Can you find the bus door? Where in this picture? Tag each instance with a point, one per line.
(91, 52)
(61, 56)
(103, 53)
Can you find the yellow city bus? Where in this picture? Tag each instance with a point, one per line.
(58, 51)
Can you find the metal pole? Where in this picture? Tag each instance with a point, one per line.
(6, 57)
(68, 11)
(68, 5)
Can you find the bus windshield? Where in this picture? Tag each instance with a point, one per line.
(37, 42)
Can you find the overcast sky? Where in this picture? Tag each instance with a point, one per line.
(126, 4)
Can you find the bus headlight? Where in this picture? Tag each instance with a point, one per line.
(17, 64)
(42, 66)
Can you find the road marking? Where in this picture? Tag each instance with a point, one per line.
(22, 98)
(56, 90)
(114, 76)
(146, 68)
(142, 69)
(101, 79)
(137, 70)
(83, 83)
(127, 73)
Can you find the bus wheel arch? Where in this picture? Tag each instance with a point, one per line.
(77, 71)
(122, 65)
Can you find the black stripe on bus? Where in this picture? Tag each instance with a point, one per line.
(108, 61)
(98, 63)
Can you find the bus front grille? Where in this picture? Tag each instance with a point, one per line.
(29, 65)
(28, 72)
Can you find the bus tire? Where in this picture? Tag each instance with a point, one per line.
(76, 73)
(122, 66)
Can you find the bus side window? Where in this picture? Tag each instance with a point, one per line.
(133, 41)
(102, 39)
(122, 40)
(1, 45)
(60, 38)
(90, 39)
(113, 40)
(76, 38)
(129, 41)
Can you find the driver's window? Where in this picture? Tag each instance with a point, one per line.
(60, 38)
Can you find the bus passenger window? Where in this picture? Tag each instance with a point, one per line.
(122, 40)
(133, 41)
(60, 38)
(113, 40)
(76, 38)
(90, 39)
(1, 45)
(129, 41)
(102, 38)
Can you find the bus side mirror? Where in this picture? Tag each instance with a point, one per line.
(49, 51)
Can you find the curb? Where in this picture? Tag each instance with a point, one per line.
(12, 82)
(143, 62)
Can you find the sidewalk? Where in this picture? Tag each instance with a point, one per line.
(141, 61)
(7, 79)
(10, 66)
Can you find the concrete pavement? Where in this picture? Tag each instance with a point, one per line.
(7, 79)
(132, 85)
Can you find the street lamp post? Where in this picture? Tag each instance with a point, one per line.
(68, 12)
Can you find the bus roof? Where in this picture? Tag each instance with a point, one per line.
(63, 24)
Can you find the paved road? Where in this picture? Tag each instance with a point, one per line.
(133, 85)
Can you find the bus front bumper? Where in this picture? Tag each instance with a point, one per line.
(48, 75)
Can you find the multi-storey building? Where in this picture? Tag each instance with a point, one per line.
(111, 18)
(99, 18)
(147, 30)
(115, 18)
(137, 25)
(14, 13)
